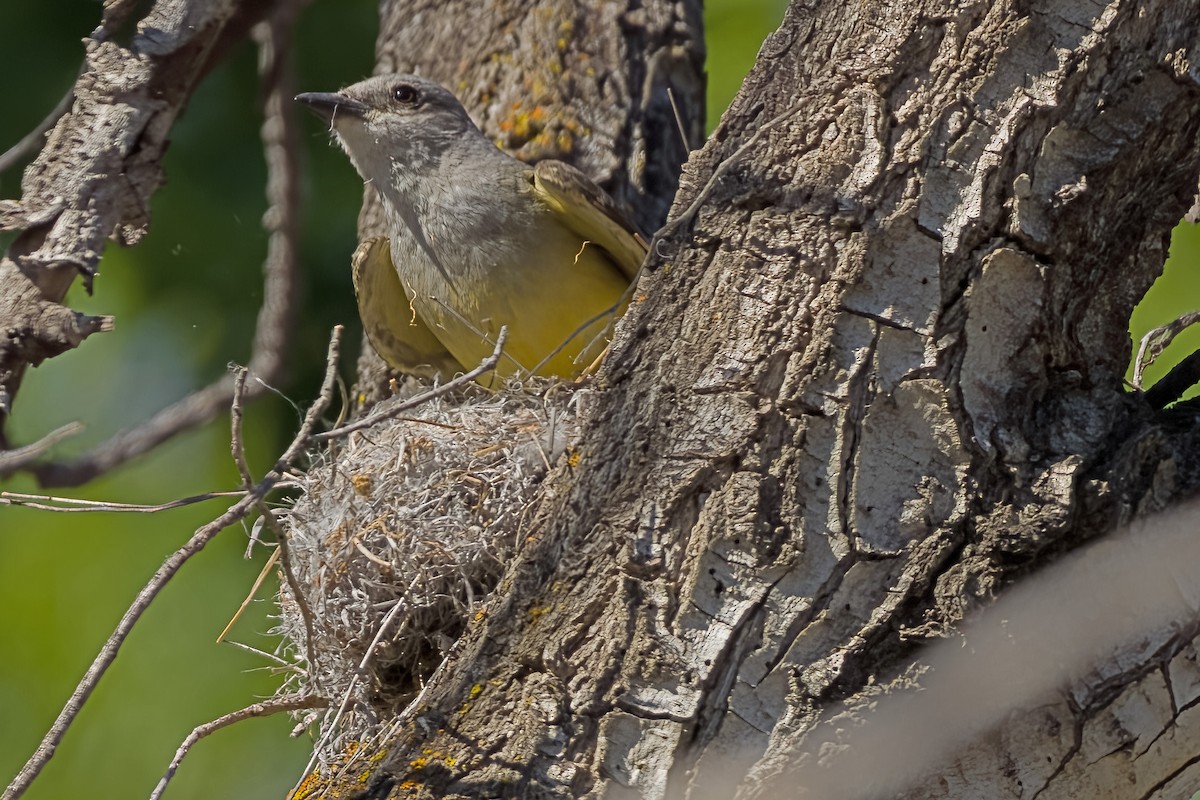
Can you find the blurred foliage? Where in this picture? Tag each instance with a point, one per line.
(185, 300)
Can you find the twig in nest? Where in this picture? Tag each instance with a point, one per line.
(486, 365)
(263, 709)
(262, 576)
(349, 693)
(202, 536)
(237, 446)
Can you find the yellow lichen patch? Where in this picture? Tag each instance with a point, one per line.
(574, 458)
(537, 612)
(476, 690)
(308, 786)
(362, 484)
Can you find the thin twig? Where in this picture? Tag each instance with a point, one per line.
(683, 137)
(486, 365)
(279, 662)
(281, 148)
(289, 576)
(263, 709)
(43, 502)
(19, 457)
(1156, 341)
(237, 446)
(35, 138)
(203, 535)
(346, 697)
(718, 173)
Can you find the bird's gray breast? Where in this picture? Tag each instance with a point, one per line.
(451, 232)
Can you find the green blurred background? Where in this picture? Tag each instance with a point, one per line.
(185, 300)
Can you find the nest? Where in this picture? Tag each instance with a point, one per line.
(411, 523)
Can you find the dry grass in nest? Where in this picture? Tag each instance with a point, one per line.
(422, 511)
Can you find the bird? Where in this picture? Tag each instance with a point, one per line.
(476, 239)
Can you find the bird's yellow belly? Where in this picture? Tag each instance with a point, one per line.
(557, 311)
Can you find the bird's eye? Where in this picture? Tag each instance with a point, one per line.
(405, 94)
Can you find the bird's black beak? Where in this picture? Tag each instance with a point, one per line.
(327, 105)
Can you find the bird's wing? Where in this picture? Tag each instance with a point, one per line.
(400, 337)
(587, 210)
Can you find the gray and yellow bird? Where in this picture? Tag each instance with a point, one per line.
(476, 239)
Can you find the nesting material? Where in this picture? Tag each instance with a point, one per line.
(423, 511)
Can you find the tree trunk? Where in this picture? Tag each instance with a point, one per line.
(875, 377)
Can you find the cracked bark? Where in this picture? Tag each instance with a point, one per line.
(873, 378)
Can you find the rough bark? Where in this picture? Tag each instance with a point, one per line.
(875, 376)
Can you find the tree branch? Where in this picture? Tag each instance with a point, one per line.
(276, 316)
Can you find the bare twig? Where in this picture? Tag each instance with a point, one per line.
(202, 536)
(18, 457)
(45, 502)
(280, 555)
(1182, 377)
(718, 173)
(237, 446)
(263, 709)
(1157, 340)
(275, 318)
(683, 137)
(34, 139)
(289, 576)
(280, 664)
(281, 147)
(487, 364)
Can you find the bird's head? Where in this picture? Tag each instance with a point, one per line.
(392, 122)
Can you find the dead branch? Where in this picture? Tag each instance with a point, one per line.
(264, 709)
(275, 319)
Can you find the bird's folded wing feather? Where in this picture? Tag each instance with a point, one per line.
(587, 210)
(400, 337)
